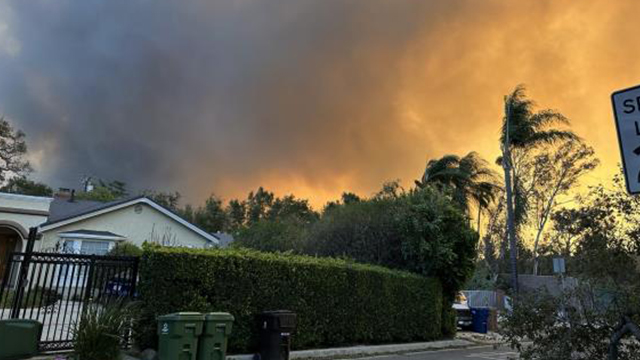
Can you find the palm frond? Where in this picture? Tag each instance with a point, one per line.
(550, 137)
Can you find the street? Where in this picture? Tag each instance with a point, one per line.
(478, 353)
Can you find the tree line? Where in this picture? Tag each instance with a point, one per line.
(516, 212)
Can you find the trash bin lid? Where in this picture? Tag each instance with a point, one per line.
(222, 316)
(182, 316)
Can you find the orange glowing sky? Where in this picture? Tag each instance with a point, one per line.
(312, 98)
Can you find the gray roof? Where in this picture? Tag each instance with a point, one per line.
(62, 209)
(225, 238)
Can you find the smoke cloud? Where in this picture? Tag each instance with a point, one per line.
(310, 97)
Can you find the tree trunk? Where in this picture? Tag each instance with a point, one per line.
(547, 211)
(479, 215)
(511, 230)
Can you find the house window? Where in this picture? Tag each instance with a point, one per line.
(95, 247)
(73, 275)
(87, 247)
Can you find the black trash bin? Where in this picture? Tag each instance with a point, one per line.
(276, 328)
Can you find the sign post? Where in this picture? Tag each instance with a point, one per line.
(626, 109)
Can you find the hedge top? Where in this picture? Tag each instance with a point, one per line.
(243, 253)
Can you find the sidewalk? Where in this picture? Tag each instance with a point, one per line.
(463, 340)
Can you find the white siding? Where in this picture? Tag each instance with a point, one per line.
(136, 227)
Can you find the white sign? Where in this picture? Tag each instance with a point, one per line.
(626, 108)
(558, 266)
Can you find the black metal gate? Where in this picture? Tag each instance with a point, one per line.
(55, 288)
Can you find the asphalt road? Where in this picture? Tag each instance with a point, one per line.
(476, 353)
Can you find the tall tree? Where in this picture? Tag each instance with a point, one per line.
(13, 150)
(237, 214)
(556, 172)
(169, 199)
(470, 178)
(291, 208)
(258, 205)
(524, 129)
(212, 216)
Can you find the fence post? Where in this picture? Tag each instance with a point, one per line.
(92, 265)
(5, 286)
(24, 272)
(134, 277)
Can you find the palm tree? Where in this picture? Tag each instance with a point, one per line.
(470, 178)
(524, 129)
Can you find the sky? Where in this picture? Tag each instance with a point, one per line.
(304, 97)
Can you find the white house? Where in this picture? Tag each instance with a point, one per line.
(87, 227)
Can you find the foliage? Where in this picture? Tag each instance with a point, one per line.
(346, 198)
(169, 200)
(273, 236)
(470, 178)
(576, 324)
(211, 217)
(337, 302)
(22, 185)
(37, 297)
(420, 231)
(99, 333)
(482, 279)
(264, 205)
(125, 248)
(104, 191)
(545, 176)
(601, 237)
(523, 130)
(239, 215)
(13, 149)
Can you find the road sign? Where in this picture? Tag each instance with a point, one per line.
(626, 109)
(558, 266)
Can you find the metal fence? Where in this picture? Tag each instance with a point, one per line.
(484, 299)
(55, 289)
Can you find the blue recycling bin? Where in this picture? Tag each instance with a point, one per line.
(480, 318)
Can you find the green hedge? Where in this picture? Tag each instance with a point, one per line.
(338, 303)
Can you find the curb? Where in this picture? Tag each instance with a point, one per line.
(363, 351)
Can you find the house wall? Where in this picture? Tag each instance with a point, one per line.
(25, 211)
(149, 225)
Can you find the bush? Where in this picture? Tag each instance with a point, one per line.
(337, 302)
(99, 334)
(420, 231)
(575, 324)
(37, 297)
(125, 248)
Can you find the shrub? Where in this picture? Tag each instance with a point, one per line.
(99, 334)
(125, 248)
(36, 297)
(420, 231)
(337, 302)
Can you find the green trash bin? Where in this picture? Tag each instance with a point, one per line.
(213, 342)
(19, 338)
(178, 335)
